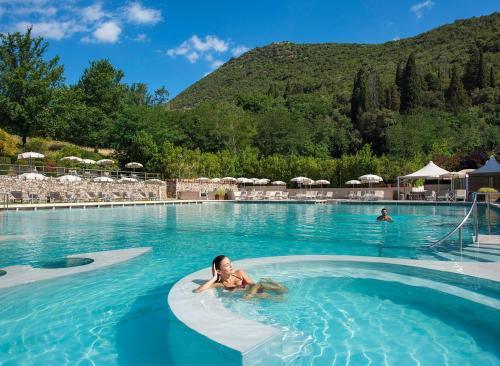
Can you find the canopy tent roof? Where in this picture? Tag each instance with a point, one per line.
(430, 171)
(491, 167)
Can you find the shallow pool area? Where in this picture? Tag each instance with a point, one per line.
(368, 314)
(118, 315)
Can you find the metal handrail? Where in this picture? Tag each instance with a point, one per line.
(462, 223)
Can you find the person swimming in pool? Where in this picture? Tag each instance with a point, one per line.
(384, 216)
(224, 277)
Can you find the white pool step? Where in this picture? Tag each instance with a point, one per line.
(474, 255)
(489, 239)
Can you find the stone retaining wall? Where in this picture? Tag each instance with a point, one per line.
(42, 188)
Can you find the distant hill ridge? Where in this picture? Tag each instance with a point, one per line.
(329, 68)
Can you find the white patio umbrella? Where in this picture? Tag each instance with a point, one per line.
(300, 180)
(321, 182)
(105, 162)
(278, 183)
(154, 181)
(103, 179)
(69, 178)
(261, 182)
(202, 179)
(215, 180)
(74, 159)
(134, 165)
(127, 180)
(370, 179)
(29, 155)
(33, 176)
(353, 182)
(230, 179)
(88, 161)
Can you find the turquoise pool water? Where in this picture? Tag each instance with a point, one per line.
(373, 314)
(119, 315)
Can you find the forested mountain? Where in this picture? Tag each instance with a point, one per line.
(324, 111)
(329, 68)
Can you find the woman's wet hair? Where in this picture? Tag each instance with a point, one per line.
(216, 263)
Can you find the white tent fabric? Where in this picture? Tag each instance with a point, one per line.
(491, 167)
(429, 171)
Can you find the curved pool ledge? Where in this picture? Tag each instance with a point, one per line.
(205, 314)
(18, 275)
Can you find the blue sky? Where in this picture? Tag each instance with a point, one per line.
(175, 43)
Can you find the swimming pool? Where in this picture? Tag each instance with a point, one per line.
(118, 315)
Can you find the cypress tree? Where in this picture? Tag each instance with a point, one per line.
(455, 96)
(357, 97)
(411, 87)
(395, 98)
(482, 82)
(492, 77)
(399, 76)
(373, 92)
(471, 71)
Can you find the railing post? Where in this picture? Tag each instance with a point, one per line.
(476, 220)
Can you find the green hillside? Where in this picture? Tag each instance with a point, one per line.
(330, 68)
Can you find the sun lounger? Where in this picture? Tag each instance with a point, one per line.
(153, 196)
(104, 197)
(378, 195)
(269, 195)
(92, 196)
(18, 196)
(460, 195)
(311, 195)
(237, 195)
(56, 197)
(430, 195)
(34, 197)
(117, 196)
(70, 197)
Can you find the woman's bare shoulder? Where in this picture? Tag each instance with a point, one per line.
(240, 272)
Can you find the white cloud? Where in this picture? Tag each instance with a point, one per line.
(141, 38)
(138, 14)
(181, 50)
(49, 30)
(216, 64)
(93, 13)
(238, 50)
(95, 20)
(193, 56)
(210, 49)
(210, 43)
(108, 32)
(397, 38)
(418, 8)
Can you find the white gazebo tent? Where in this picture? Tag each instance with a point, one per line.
(430, 171)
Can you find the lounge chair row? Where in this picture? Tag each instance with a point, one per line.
(366, 195)
(280, 195)
(80, 196)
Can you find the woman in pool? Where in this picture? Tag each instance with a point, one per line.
(225, 277)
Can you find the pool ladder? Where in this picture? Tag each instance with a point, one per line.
(475, 223)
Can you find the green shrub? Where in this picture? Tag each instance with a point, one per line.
(8, 144)
(38, 144)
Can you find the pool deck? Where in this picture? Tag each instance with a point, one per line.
(205, 314)
(22, 274)
(85, 205)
